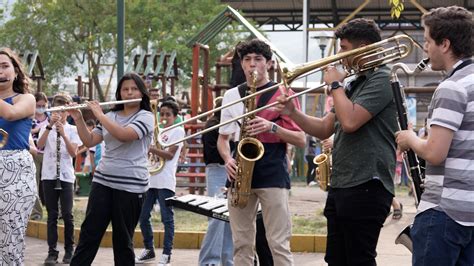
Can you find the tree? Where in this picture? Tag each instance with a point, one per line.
(69, 34)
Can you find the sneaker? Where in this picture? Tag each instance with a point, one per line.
(164, 260)
(52, 258)
(147, 255)
(67, 257)
(313, 183)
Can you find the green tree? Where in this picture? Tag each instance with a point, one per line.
(83, 32)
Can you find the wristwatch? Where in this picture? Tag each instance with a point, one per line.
(335, 85)
(274, 128)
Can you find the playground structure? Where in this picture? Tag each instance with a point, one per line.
(34, 67)
(160, 67)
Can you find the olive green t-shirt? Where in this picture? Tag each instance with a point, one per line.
(369, 152)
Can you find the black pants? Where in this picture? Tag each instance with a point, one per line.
(261, 245)
(65, 197)
(311, 167)
(107, 204)
(355, 217)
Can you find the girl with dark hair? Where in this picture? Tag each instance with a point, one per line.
(17, 182)
(121, 177)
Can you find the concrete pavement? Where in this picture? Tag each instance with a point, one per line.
(388, 253)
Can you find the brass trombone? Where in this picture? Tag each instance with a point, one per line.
(357, 60)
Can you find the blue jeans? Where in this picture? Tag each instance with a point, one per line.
(217, 247)
(167, 218)
(439, 240)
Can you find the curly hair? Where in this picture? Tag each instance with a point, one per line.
(359, 30)
(21, 84)
(453, 23)
(254, 46)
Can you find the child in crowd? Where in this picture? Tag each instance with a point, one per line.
(162, 186)
(59, 141)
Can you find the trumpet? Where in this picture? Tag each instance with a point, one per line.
(4, 135)
(83, 106)
(357, 60)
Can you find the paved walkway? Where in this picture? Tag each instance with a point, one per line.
(388, 253)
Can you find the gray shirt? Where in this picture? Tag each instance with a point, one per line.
(124, 164)
(449, 187)
(369, 152)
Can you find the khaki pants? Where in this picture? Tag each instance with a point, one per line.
(277, 220)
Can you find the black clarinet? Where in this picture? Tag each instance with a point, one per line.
(417, 178)
(58, 161)
(399, 97)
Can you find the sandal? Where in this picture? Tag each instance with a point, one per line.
(398, 213)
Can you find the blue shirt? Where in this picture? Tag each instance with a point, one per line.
(18, 131)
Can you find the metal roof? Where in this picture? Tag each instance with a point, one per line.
(288, 13)
(222, 20)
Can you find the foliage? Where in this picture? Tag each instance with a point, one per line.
(71, 35)
(397, 8)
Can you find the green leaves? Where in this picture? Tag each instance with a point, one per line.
(396, 8)
(76, 37)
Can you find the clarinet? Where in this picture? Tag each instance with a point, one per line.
(58, 161)
(404, 236)
(399, 97)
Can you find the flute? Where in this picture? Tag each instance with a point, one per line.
(83, 106)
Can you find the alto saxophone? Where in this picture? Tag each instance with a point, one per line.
(155, 162)
(249, 150)
(324, 169)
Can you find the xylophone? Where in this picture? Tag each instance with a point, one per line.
(209, 206)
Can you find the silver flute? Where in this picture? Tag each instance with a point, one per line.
(83, 106)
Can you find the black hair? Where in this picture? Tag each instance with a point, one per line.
(455, 24)
(358, 31)
(145, 103)
(256, 46)
(171, 105)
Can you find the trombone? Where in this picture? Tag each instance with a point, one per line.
(357, 60)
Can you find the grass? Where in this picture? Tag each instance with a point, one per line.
(188, 221)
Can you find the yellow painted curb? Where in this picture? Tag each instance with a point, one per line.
(182, 239)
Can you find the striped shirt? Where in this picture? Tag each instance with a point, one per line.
(449, 187)
(124, 164)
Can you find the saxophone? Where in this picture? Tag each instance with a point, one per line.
(324, 169)
(249, 150)
(155, 163)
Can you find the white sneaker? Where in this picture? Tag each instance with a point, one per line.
(312, 183)
(164, 260)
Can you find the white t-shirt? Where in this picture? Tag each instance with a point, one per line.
(49, 160)
(231, 112)
(166, 178)
(87, 160)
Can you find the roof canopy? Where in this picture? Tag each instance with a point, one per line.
(289, 13)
